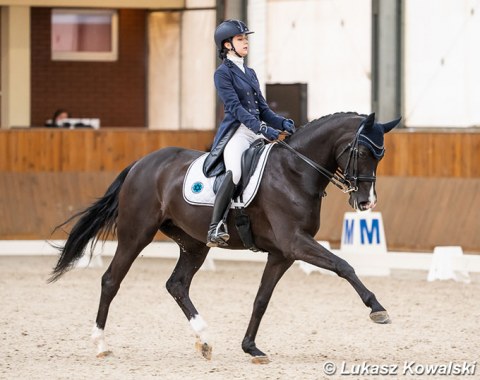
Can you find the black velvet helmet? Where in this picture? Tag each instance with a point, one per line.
(229, 29)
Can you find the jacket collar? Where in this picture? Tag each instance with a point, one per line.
(247, 76)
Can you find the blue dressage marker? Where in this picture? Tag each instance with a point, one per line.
(363, 232)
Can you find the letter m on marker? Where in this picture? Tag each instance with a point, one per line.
(369, 233)
(348, 228)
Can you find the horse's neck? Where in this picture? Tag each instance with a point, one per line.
(318, 145)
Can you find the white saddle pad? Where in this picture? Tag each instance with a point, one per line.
(198, 189)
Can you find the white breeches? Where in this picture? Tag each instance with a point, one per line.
(232, 154)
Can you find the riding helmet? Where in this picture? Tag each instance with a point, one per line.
(229, 29)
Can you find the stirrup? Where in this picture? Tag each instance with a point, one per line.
(218, 235)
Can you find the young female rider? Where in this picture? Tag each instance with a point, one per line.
(247, 118)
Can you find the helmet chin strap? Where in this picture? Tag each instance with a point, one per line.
(233, 48)
(238, 55)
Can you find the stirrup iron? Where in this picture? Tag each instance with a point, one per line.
(219, 236)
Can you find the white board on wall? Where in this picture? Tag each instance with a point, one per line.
(441, 63)
(326, 44)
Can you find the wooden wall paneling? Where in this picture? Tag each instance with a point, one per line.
(408, 154)
(4, 149)
(419, 213)
(397, 155)
(433, 154)
(422, 213)
(114, 149)
(84, 150)
(74, 149)
(38, 153)
(33, 204)
(470, 155)
(470, 214)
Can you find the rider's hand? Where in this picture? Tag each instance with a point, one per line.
(289, 126)
(269, 132)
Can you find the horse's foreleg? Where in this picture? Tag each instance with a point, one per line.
(274, 270)
(191, 259)
(313, 253)
(378, 313)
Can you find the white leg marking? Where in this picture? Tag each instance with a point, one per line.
(98, 338)
(200, 327)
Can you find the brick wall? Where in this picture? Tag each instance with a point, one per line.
(115, 92)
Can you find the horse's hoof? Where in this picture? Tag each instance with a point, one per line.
(260, 360)
(204, 349)
(104, 354)
(380, 317)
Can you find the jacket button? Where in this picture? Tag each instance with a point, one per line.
(248, 101)
(255, 93)
(258, 110)
(249, 110)
(256, 102)
(248, 93)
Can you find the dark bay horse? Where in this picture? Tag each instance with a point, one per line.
(285, 216)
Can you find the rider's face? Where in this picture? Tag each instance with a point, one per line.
(240, 43)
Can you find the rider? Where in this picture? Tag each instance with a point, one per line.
(247, 117)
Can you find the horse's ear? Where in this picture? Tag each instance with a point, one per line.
(387, 127)
(369, 121)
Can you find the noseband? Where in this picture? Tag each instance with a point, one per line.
(348, 180)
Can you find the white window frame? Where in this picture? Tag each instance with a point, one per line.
(86, 55)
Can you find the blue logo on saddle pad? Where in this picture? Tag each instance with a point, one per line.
(197, 187)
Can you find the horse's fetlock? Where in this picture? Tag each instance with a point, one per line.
(248, 345)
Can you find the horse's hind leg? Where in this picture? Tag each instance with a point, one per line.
(130, 243)
(192, 256)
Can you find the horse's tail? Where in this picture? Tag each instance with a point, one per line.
(96, 222)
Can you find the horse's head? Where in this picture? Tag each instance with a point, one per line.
(360, 159)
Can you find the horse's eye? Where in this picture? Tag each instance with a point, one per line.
(362, 154)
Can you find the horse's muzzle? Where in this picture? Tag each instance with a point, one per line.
(364, 206)
(361, 206)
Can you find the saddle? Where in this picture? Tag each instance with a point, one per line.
(250, 158)
(199, 189)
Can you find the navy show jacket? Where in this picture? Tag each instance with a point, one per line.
(243, 101)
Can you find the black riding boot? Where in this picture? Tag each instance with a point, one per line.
(217, 233)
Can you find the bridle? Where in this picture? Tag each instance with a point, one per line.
(348, 180)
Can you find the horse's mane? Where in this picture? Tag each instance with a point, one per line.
(303, 131)
(322, 120)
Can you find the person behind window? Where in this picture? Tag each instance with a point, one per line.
(58, 119)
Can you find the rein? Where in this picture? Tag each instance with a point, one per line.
(337, 178)
(344, 181)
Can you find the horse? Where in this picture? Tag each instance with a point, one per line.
(344, 148)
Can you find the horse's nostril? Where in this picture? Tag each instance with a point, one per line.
(364, 206)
